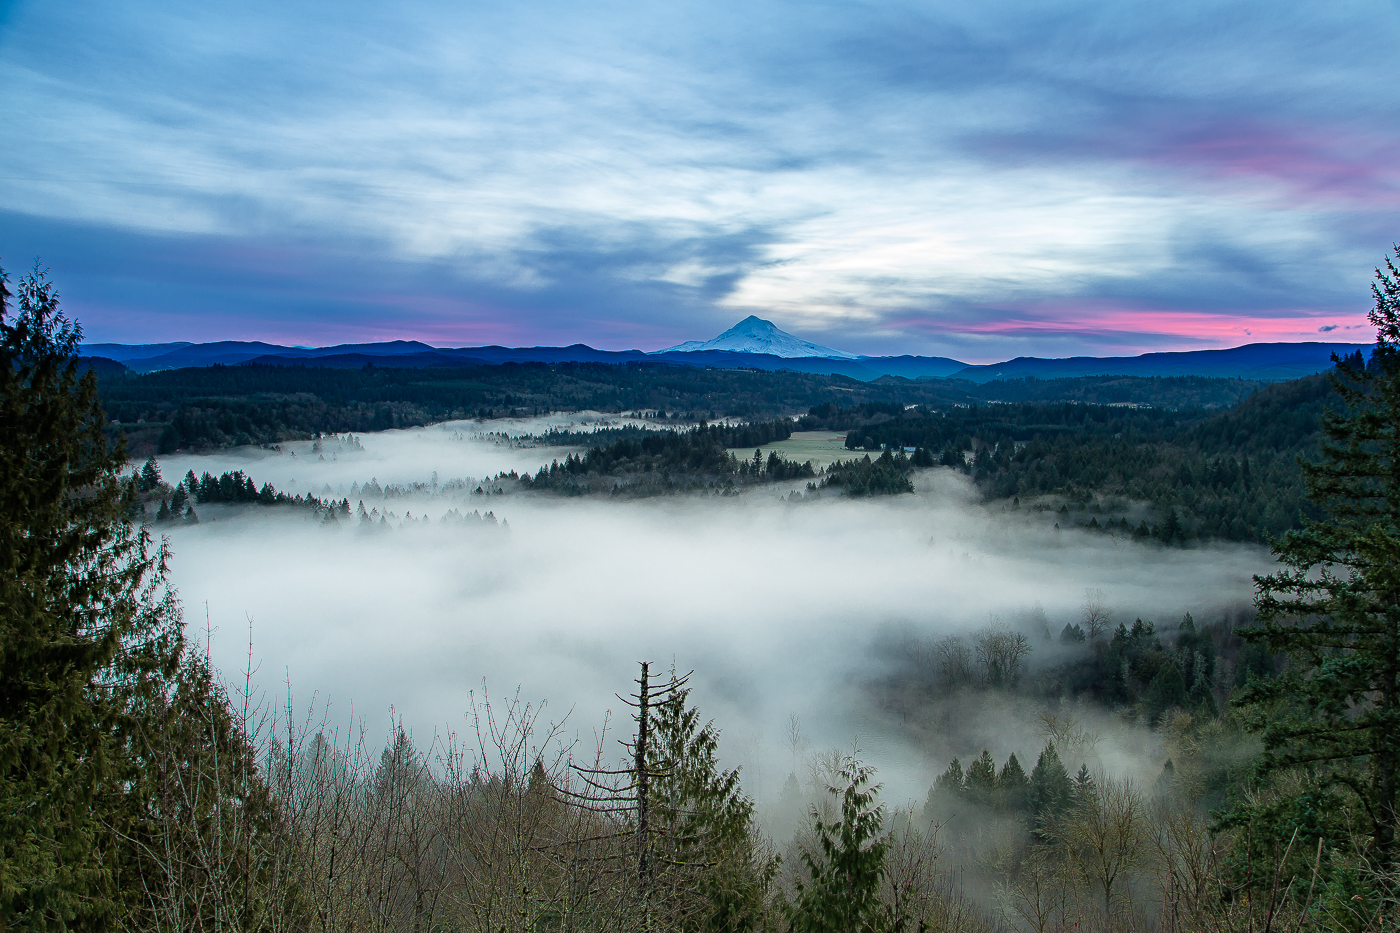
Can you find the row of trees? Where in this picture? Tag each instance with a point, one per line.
(1047, 791)
(233, 487)
(657, 460)
(1134, 671)
(887, 474)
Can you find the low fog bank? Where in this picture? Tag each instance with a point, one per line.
(452, 449)
(781, 608)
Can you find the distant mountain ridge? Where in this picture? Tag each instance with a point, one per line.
(1266, 362)
(121, 352)
(753, 343)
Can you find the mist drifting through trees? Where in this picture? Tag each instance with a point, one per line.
(850, 629)
(779, 606)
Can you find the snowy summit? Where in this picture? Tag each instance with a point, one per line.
(755, 335)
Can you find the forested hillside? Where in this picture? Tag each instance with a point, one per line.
(1206, 474)
(1176, 475)
(221, 406)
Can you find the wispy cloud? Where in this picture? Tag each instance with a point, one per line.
(637, 178)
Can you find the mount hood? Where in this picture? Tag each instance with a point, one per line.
(755, 335)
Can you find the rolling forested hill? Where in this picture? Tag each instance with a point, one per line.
(221, 406)
(1176, 458)
(1229, 474)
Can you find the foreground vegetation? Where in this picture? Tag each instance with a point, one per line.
(137, 792)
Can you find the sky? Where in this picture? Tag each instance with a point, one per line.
(978, 180)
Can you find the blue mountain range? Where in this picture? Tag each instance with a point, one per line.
(751, 344)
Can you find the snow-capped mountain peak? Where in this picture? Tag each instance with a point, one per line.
(755, 335)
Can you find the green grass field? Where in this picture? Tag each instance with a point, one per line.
(820, 447)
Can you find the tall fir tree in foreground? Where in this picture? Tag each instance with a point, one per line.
(80, 608)
(1335, 605)
(712, 875)
(123, 771)
(841, 893)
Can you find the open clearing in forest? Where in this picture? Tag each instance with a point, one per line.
(821, 447)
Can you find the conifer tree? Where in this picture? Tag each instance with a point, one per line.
(951, 781)
(1167, 690)
(1335, 605)
(109, 728)
(1083, 785)
(981, 783)
(704, 825)
(85, 623)
(842, 891)
(1071, 634)
(1051, 791)
(150, 475)
(947, 789)
(1013, 787)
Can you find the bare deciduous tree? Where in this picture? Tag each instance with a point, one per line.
(1073, 740)
(795, 740)
(1041, 891)
(954, 659)
(1001, 652)
(1105, 837)
(1096, 613)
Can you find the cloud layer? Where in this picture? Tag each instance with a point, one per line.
(971, 179)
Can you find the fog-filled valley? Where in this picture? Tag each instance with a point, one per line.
(688, 468)
(883, 666)
(782, 608)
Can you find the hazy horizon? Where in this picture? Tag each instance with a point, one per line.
(1322, 339)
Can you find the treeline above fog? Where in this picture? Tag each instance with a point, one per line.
(1177, 476)
(1206, 467)
(650, 462)
(672, 461)
(1230, 474)
(223, 406)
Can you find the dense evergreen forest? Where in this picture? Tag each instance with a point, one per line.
(221, 406)
(1229, 474)
(1178, 459)
(1209, 458)
(650, 462)
(638, 461)
(1177, 476)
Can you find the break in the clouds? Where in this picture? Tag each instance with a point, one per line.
(977, 179)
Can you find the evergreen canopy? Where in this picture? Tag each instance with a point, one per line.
(1335, 607)
(84, 620)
